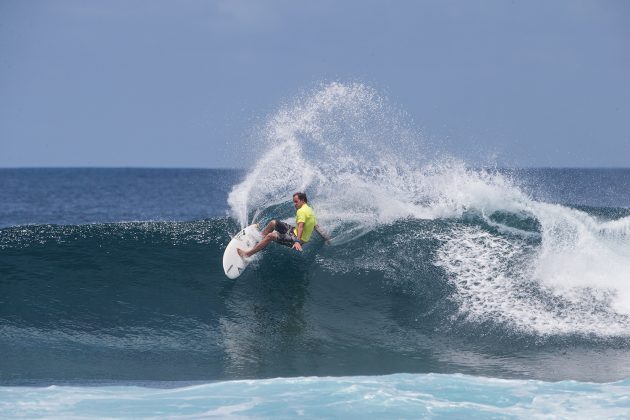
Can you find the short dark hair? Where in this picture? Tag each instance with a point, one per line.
(301, 196)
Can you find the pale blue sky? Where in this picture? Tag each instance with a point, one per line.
(182, 83)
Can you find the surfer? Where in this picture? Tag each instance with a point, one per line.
(287, 235)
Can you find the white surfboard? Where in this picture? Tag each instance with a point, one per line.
(246, 239)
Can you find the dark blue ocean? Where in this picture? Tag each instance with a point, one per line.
(114, 277)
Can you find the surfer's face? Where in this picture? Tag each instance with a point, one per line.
(297, 202)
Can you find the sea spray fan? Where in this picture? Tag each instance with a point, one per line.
(530, 266)
(332, 142)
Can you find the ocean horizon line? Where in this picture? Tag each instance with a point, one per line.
(193, 168)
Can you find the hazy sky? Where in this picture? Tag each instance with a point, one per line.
(181, 83)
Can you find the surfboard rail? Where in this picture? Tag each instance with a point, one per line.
(234, 264)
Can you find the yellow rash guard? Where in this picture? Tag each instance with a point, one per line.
(305, 215)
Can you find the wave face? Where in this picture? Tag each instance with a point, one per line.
(434, 267)
(149, 300)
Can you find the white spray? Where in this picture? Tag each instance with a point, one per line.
(363, 166)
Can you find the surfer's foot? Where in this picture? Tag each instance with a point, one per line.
(241, 253)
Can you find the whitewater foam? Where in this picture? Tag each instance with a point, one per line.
(399, 396)
(532, 266)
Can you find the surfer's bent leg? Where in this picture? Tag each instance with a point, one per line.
(260, 246)
(271, 226)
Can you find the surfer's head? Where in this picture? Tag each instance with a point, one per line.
(299, 199)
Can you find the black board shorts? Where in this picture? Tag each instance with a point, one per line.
(286, 236)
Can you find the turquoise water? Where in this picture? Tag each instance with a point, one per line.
(393, 396)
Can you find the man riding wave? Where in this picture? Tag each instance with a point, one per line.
(285, 234)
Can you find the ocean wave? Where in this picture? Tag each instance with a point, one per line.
(512, 276)
(433, 264)
(533, 267)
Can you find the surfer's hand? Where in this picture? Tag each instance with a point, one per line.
(297, 246)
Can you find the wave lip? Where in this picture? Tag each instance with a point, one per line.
(394, 396)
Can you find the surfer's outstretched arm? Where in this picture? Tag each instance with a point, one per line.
(323, 234)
